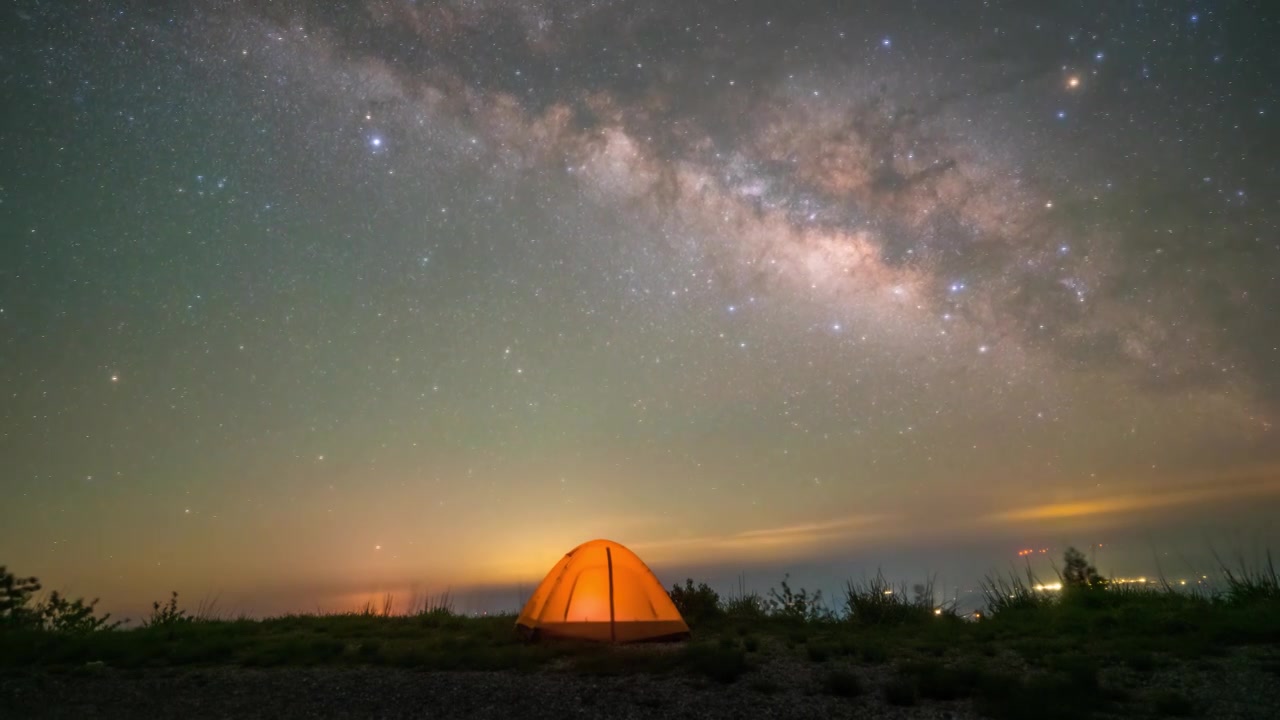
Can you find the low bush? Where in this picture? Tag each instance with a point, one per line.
(696, 603)
(843, 683)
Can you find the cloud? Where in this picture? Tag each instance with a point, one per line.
(769, 542)
(1150, 499)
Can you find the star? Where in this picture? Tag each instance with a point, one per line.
(626, 198)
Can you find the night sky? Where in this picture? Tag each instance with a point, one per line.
(299, 303)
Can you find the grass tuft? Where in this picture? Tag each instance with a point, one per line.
(877, 602)
(1011, 593)
(1250, 584)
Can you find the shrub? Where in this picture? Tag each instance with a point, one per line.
(15, 599)
(843, 683)
(1078, 574)
(696, 604)
(167, 615)
(796, 605)
(58, 614)
(54, 614)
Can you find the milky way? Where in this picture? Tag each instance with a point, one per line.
(728, 281)
(833, 163)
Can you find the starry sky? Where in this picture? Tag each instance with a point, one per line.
(301, 301)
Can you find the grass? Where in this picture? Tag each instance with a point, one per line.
(877, 602)
(1141, 630)
(355, 639)
(1031, 654)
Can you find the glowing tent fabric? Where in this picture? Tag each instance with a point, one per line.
(601, 591)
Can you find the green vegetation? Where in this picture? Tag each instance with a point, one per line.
(697, 605)
(843, 683)
(1063, 654)
(876, 602)
(55, 614)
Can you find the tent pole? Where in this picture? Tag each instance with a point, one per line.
(613, 632)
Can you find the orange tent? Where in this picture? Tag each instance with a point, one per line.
(601, 591)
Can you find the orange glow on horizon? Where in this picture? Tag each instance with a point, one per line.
(1136, 503)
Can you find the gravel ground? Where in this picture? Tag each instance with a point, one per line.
(1238, 687)
(377, 693)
